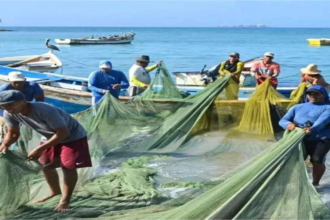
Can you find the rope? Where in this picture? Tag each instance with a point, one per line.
(75, 61)
(293, 67)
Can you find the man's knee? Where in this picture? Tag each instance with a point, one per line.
(319, 159)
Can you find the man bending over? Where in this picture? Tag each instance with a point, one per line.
(66, 144)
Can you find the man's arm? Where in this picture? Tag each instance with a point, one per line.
(92, 79)
(322, 121)
(61, 134)
(287, 118)
(254, 70)
(38, 93)
(221, 69)
(276, 70)
(11, 137)
(239, 69)
(134, 79)
(39, 98)
(151, 68)
(54, 120)
(136, 82)
(124, 81)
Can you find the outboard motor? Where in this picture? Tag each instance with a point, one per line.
(211, 74)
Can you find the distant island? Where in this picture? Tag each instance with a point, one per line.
(4, 30)
(244, 26)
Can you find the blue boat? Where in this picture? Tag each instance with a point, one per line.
(71, 93)
(66, 92)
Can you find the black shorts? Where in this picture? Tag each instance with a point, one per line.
(317, 150)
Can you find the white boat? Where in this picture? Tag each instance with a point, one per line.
(198, 78)
(40, 63)
(112, 39)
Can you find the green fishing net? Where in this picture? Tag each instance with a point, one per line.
(183, 158)
(17, 176)
(162, 87)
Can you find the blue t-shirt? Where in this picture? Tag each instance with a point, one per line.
(99, 81)
(30, 90)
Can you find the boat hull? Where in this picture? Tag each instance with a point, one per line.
(88, 42)
(319, 42)
(71, 94)
(10, 60)
(40, 63)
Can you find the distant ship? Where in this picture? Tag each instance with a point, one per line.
(111, 39)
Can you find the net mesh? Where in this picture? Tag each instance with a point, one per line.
(185, 158)
(162, 87)
(17, 176)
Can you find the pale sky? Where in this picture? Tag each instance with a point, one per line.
(156, 13)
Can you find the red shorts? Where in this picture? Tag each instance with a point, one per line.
(71, 155)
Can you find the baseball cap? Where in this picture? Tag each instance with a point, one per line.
(9, 96)
(16, 76)
(312, 89)
(269, 54)
(234, 54)
(106, 64)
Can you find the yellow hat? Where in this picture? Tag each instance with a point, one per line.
(311, 69)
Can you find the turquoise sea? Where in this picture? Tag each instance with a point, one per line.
(182, 49)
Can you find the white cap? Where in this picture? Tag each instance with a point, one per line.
(269, 54)
(16, 76)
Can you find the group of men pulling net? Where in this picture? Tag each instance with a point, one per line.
(163, 156)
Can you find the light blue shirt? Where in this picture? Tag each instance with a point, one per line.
(317, 114)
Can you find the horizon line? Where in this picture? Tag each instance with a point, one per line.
(234, 27)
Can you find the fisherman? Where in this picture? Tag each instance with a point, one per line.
(314, 118)
(266, 68)
(234, 67)
(66, 144)
(31, 90)
(311, 74)
(139, 75)
(106, 80)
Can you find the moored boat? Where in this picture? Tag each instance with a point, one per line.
(45, 62)
(112, 39)
(319, 42)
(201, 78)
(71, 93)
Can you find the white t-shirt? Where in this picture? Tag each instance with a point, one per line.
(140, 73)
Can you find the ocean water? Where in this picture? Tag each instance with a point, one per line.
(182, 49)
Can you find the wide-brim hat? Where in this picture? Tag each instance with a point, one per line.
(143, 58)
(16, 76)
(311, 69)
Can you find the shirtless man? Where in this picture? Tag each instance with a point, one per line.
(311, 74)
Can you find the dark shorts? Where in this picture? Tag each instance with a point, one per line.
(71, 155)
(317, 150)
